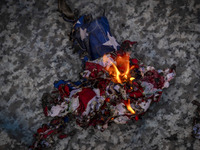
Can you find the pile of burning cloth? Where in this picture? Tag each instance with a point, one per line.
(113, 87)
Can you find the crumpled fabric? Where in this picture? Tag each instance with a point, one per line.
(92, 96)
(96, 100)
(44, 136)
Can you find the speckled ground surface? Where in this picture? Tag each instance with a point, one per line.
(35, 51)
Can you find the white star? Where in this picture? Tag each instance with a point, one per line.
(83, 33)
(111, 41)
(78, 22)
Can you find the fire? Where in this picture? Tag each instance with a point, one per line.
(119, 69)
(112, 69)
(128, 106)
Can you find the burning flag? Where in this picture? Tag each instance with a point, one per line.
(113, 87)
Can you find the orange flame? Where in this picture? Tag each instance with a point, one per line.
(123, 65)
(112, 69)
(121, 70)
(128, 106)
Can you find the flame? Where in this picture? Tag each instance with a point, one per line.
(123, 64)
(120, 72)
(128, 106)
(112, 69)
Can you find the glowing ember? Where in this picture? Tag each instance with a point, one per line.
(128, 106)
